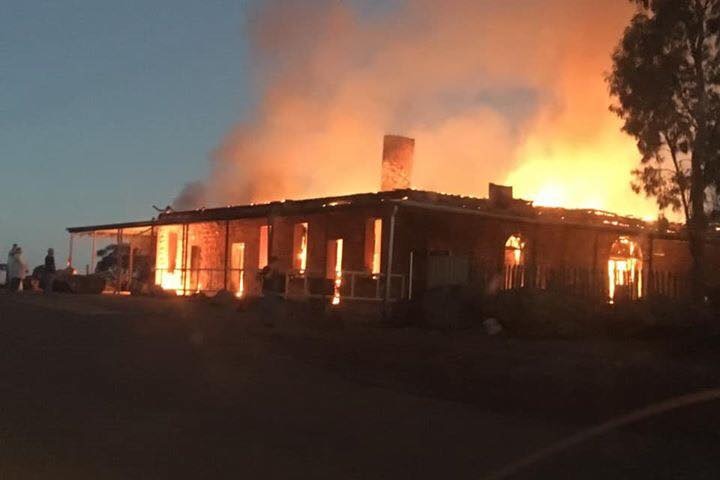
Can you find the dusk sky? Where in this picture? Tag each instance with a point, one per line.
(110, 107)
(107, 108)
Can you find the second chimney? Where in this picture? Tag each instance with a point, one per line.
(397, 162)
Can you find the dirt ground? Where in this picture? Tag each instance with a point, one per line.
(125, 387)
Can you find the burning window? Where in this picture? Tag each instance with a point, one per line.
(515, 251)
(168, 256)
(263, 247)
(300, 246)
(334, 267)
(373, 245)
(514, 261)
(237, 268)
(172, 243)
(624, 270)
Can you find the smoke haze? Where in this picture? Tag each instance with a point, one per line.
(509, 92)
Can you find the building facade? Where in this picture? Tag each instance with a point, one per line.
(398, 244)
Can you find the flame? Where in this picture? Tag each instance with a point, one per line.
(301, 229)
(377, 246)
(513, 250)
(170, 281)
(595, 174)
(338, 271)
(537, 118)
(169, 244)
(237, 262)
(551, 195)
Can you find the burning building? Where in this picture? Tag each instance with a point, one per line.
(399, 242)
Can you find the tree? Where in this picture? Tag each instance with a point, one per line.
(114, 263)
(666, 80)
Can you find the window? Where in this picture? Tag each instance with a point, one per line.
(333, 267)
(373, 245)
(514, 261)
(172, 251)
(169, 251)
(515, 251)
(263, 247)
(237, 268)
(624, 270)
(300, 246)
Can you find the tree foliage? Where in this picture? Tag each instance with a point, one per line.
(666, 79)
(115, 259)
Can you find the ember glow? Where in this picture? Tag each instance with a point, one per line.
(300, 243)
(526, 106)
(337, 283)
(377, 245)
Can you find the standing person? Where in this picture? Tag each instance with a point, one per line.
(10, 259)
(49, 270)
(269, 276)
(272, 288)
(17, 270)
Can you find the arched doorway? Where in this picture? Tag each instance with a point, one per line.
(514, 261)
(625, 270)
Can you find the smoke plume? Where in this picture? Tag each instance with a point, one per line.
(507, 92)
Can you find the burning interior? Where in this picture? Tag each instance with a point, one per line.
(625, 270)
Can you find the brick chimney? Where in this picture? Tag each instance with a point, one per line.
(500, 195)
(397, 162)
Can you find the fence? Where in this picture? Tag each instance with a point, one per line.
(208, 280)
(590, 283)
(355, 285)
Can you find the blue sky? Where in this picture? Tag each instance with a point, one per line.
(108, 107)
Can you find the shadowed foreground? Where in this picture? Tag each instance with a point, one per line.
(103, 387)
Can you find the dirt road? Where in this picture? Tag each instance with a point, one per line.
(107, 387)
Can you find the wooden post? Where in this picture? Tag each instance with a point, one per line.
(227, 246)
(595, 251)
(70, 251)
(93, 253)
(118, 259)
(388, 268)
(271, 234)
(410, 274)
(153, 253)
(131, 262)
(649, 276)
(186, 236)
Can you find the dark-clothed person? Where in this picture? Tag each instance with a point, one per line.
(49, 273)
(272, 289)
(10, 260)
